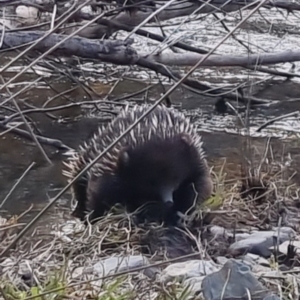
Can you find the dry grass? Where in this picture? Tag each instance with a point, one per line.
(63, 262)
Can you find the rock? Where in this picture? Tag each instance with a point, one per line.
(29, 15)
(254, 259)
(221, 260)
(123, 263)
(274, 274)
(271, 297)
(260, 242)
(7, 264)
(241, 236)
(218, 231)
(24, 268)
(233, 281)
(283, 247)
(79, 271)
(188, 269)
(194, 284)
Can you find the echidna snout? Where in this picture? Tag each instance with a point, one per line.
(167, 196)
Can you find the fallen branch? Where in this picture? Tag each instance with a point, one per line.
(292, 114)
(190, 59)
(116, 52)
(120, 52)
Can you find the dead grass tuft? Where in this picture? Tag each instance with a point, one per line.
(61, 264)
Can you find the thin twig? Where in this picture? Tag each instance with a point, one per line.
(176, 84)
(30, 129)
(51, 49)
(16, 184)
(44, 140)
(292, 114)
(45, 36)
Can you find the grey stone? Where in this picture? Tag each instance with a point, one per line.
(285, 230)
(194, 283)
(272, 297)
(218, 231)
(283, 247)
(241, 236)
(25, 268)
(123, 263)
(232, 282)
(260, 242)
(254, 259)
(188, 269)
(221, 260)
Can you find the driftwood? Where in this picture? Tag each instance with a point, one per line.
(116, 52)
(190, 59)
(121, 52)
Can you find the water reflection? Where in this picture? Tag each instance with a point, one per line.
(219, 134)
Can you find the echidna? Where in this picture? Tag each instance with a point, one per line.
(159, 164)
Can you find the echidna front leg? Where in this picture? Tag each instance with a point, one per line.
(79, 189)
(203, 186)
(100, 195)
(184, 199)
(191, 194)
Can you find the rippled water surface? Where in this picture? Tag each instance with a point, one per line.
(223, 135)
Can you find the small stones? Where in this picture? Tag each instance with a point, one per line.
(234, 278)
(254, 259)
(272, 297)
(233, 281)
(194, 283)
(260, 242)
(188, 269)
(283, 248)
(123, 263)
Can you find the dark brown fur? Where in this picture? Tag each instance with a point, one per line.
(145, 173)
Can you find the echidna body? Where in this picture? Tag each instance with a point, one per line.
(160, 165)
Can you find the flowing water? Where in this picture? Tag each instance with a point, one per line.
(220, 135)
(224, 136)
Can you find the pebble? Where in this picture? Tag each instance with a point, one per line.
(188, 269)
(116, 264)
(260, 242)
(234, 281)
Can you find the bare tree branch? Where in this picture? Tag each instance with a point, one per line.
(190, 59)
(120, 52)
(116, 52)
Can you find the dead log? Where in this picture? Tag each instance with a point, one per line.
(116, 51)
(190, 59)
(112, 51)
